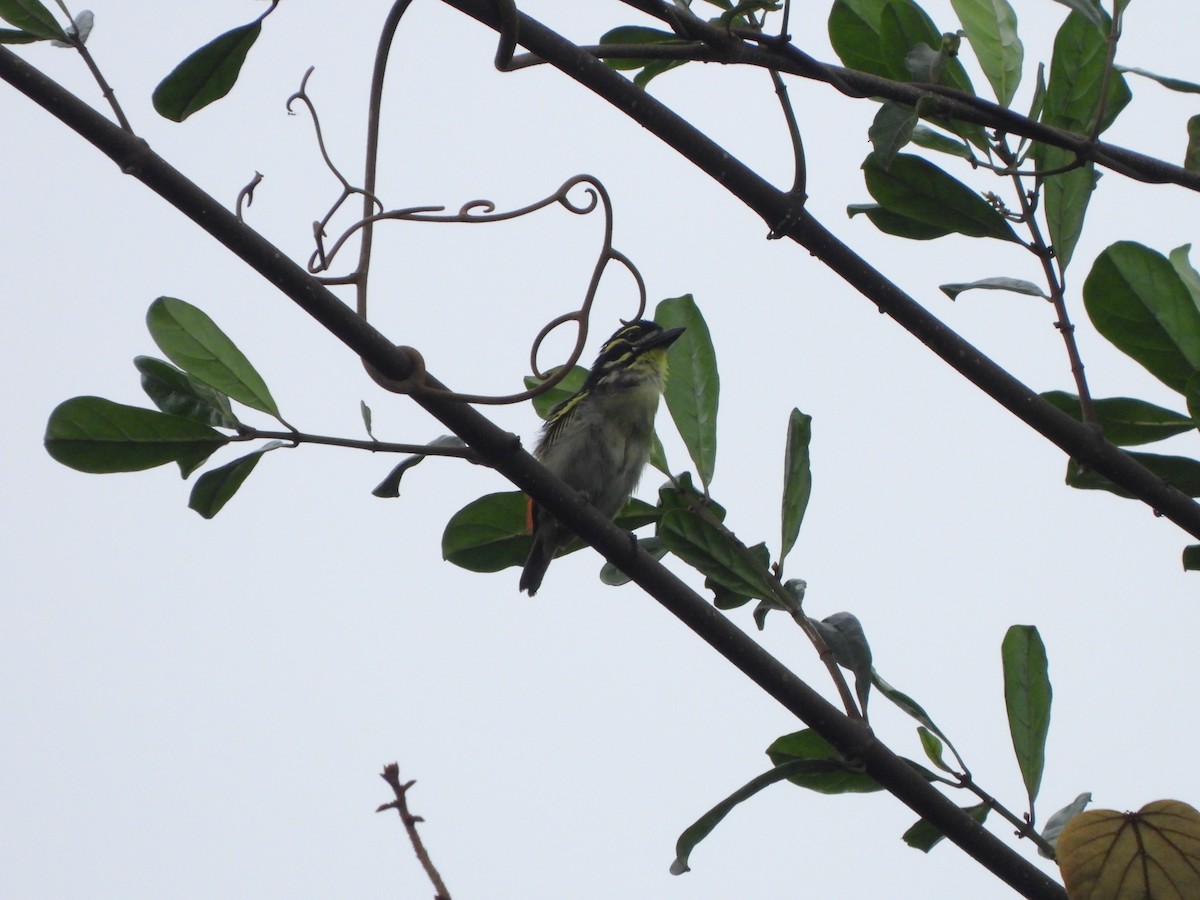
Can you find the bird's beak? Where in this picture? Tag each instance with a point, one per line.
(664, 338)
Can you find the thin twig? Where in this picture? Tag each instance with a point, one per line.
(391, 774)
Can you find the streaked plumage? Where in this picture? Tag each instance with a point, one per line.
(598, 440)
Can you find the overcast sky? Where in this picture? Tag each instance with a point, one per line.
(200, 708)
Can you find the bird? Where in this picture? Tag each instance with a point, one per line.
(598, 439)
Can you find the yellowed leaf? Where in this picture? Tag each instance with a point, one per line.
(1151, 854)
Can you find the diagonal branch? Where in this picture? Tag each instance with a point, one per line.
(503, 451)
(784, 218)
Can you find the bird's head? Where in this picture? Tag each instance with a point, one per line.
(639, 347)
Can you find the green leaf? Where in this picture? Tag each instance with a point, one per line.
(1180, 472)
(389, 488)
(207, 75)
(492, 533)
(1090, 12)
(1027, 697)
(637, 34)
(1187, 274)
(1077, 75)
(365, 411)
(797, 480)
(1137, 300)
(703, 827)
(843, 634)
(917, 189)
(1066, 198)
(1191, 558)
(174, 392)
(693, 384)
(489, 534)
(896, 223)
(1191, 156)
(932, 745)
(724, 598)
(95, 435)
(32, 17)
(571, 385)
(192, 341)
(999, 283)
(891, 130)
(216, 488)
(1126, 421)
(991, 27)
(910, 706)
(930, 139)
(614, 577)
(1059, 819)
(836, 776)
(715, 552)
(12, 36)
(877, 36)
(924, 836)
(1174, 84)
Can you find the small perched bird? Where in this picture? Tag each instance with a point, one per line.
(598, 440)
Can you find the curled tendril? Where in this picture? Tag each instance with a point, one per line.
(483, 211)
(473, 212)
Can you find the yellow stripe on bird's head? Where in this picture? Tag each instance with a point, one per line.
(639, 340)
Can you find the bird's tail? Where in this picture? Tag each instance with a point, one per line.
(540, 555)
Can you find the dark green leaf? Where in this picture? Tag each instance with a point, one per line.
(797, 479)
(389, 488)
(999, 283)
(1090, 12)
(1191, 156)
(658, 456)
(991, 27)
(492, 533)
(1183, 268)
(192, 341)
(174, 392)
(702, 827)
(489, 534)
(1179, 471)
(1174, 84)
(12, 36)
(207, 75)
(1027, 697)
(836, 776)
(1066, 197)
(693, 384)
(924, 837)
(32, 17)
(1126, 421)
(1137, 300)
(637, 34)
(724, 598)
(895, 223)
(717, 553)
(545, 403)
(216, 488)
(614, 577)
(891, 130)
(95, 435)
(917, 189)
(1072, 99)
(1191, 558)
(924, 136)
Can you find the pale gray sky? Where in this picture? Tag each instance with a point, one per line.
(200, 708)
